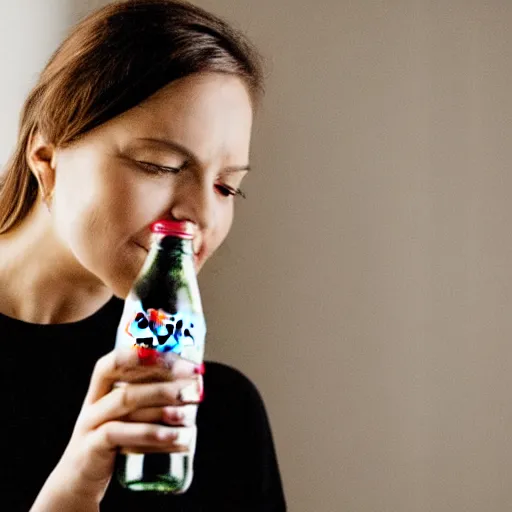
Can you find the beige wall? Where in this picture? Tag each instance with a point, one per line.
(366, 286)
(29, 32)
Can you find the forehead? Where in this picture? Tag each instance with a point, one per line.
(211, 113)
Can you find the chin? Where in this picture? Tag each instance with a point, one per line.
(121, 291)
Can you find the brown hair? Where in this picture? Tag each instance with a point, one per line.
(112, 61)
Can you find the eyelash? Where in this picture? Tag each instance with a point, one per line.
(161, 170)
(228, 191)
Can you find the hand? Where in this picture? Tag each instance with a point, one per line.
(128, 406)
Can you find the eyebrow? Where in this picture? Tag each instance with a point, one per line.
(171, 145)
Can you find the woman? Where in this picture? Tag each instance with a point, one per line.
(143, 113)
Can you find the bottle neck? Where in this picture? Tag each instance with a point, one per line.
(168, 275)
(173, 255)
(171, 244)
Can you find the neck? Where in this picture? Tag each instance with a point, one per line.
(41, 280)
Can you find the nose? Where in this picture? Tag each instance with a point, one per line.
(193, 200)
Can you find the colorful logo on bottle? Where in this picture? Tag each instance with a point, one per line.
(157, 330)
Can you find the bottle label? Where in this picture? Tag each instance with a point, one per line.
(155, 332)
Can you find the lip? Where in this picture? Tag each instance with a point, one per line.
(141, 246)
(198, 259)
(197, 244)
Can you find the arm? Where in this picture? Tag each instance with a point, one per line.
(55, 495)
(124, 416)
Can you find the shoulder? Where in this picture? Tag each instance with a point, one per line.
(228, 379)
(226, 373)
(227, 388)
(220, 375)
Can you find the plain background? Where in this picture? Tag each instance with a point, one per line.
(366, 286)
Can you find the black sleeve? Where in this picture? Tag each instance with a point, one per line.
(270, 488)
(233, 419)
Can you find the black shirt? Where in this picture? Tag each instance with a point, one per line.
(45, 375)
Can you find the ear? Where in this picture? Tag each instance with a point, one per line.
(41, 158)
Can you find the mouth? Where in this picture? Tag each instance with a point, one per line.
(198, 259)
(141, 246)
(196, 245)
(199, 252)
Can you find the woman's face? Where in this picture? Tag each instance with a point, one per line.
(180, 155)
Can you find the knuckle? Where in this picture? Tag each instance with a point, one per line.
(149, 434)
(106, 434)
(103, 364)
(83, 420)
(126, 397)
(97, 438)
(165, 393)
(94, 440)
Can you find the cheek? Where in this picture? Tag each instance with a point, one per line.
(93, 217)
(222, 229)
(105, 200)
(101, 242)
(87, 210)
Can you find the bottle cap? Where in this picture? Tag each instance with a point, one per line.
(180, 228)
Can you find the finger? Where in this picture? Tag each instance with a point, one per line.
(127, 398)
(142, 436)
(124, 365)
(165, 368)
(184, 415)
(102, 378)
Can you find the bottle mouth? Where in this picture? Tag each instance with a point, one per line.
(180, 229)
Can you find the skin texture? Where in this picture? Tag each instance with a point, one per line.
(87, 237)
(106, 189)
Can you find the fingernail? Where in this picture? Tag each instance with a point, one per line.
(191, 393)
(166, 434)
(185, 436)
(185, 414)
(199, 369)
(189, 414)
(174, 415)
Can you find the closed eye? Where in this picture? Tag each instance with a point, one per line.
(228, 191)
(157, 169)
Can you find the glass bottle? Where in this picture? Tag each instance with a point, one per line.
(163, 320)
